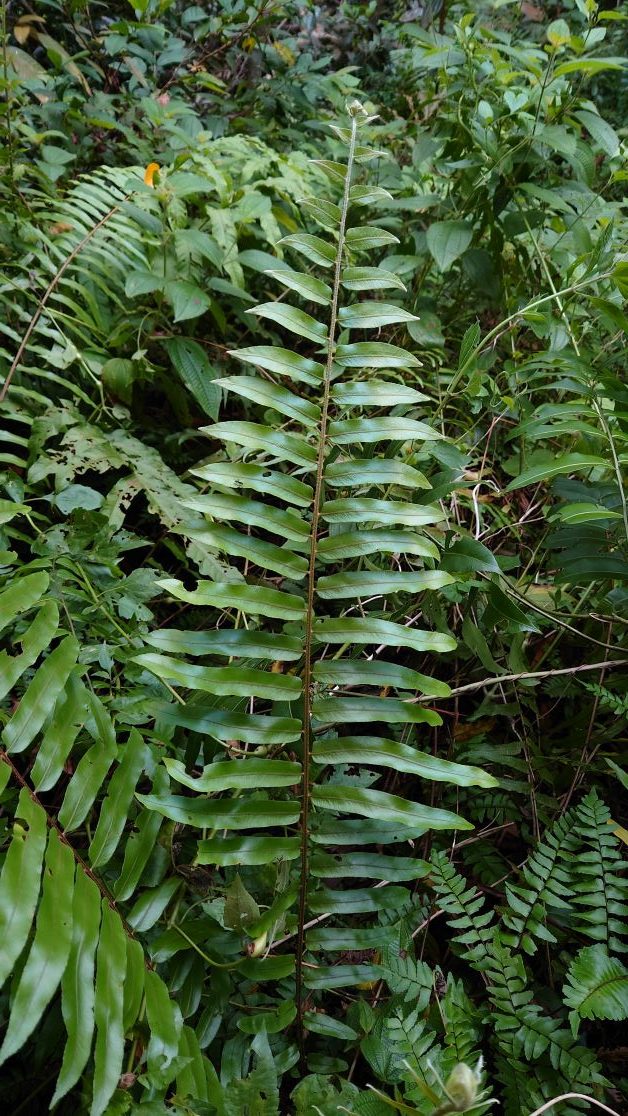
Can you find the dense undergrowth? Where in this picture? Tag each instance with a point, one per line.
(313, 558)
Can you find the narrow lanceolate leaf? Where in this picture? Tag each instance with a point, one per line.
(370, 279)
(271, 395)
(223, 681)
(386, 807)
(39, 698)
(251, 643)
(268, 556)
(281, 361)
(235, 814)
(364, 237)
(362, 472)
(237, 774)
(319, 251)
(375, 393)
(228, 851)
(384, 632)
(297, 321)
(90, 771)
(384, 512)
(374, 354)
(22, 595)
(354, 544)
(286, 524)
(117, 802)
(377, 672)
(568, 463)
(109, 1001)
(19, 882)
(368, 583)
(140, 845)
(134, 977)
(366, 195)
(390, 711)
(49, 952)
(70, 713)
(373, 315)
(247, 598)
(77, 986)
(353, 431)
(284, 447)
(35, 639)
(165, 1023)
(400, 757)
(306, 285)
(238, 474)
(326, 213)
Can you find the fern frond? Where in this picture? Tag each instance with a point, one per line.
(547, 885)
(600, 879)
(596, 987)
(473, 924)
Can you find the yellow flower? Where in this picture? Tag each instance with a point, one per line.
(150, 173)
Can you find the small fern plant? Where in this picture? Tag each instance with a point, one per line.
(317, 633)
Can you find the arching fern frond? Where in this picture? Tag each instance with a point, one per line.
(546, 885)
(600, 877)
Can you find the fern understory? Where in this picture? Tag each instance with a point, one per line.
(313, 563)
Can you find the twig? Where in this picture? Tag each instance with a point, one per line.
(573, 1096)
(528, 674)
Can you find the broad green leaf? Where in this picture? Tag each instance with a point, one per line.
(400, 757)
(19, 882)
(226, 851)
(363, 510)
(192, 1078)
(368, 583)
(23, 593)
(384, 632)
(223, 681)
(289, 525)
(165, 1023)
(589, 66)
(596, 987)
(281, 361)
(319, 251)
(285, 447)
(363, 472)
(372, 315)
(77, 985)
(237, 474)
(39, 698)
(306, 285)
(398, 429)
(370, 279)
(362, 238)
(248, 598)
(117, 802)
(342, 976)
(289, 317)
(108, 1009)
(568, 463)
(49, 952)
(375, 393)
(252, 643)
(192, 364)
(374, 354)
(447, 240)
(354, 544)
(240, 910)
(272, 395)
(336, 171)
(186, 298)
(235, 814)
(266, 555)
(342, 939)
(237, 774)
(359, 900)
(467, 556)
(601, 131)
(385, 807)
